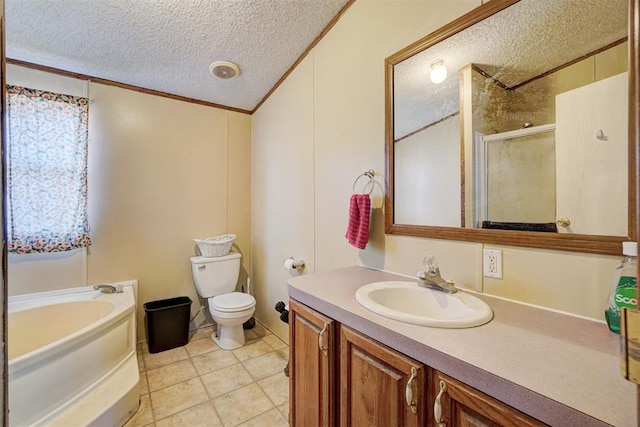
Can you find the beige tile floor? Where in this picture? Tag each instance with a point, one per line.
(201, 385)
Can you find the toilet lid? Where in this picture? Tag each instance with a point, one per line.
(234, 301)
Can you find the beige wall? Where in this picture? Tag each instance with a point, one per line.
(282, 193)
(161, 172)
(342, 84)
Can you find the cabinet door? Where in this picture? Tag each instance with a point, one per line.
(462, 405)
(311, 367)
(376, 383)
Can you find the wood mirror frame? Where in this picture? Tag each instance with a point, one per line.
(584, 243)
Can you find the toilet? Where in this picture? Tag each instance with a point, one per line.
(215, 280)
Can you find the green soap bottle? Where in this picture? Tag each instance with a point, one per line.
(624, 289)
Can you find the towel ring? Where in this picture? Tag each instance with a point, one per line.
(369, 174)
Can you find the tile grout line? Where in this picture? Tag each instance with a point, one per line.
(210, 400)
(267, 394)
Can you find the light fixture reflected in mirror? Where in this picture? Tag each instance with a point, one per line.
(438, 72)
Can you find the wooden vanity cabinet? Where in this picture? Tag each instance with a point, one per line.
(379, 386)
(462, 405)
(340, 377)
(311, 367)
(375, 382)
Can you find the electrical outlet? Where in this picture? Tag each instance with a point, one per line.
(492, 263)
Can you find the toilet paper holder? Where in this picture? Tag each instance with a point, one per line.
(292, 264)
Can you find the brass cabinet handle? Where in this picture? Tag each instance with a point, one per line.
(437, 406)
(408, 392)
(321, 339)
(564, 222)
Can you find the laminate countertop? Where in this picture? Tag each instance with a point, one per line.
(561, 369)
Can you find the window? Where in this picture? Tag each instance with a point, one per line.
(47, 142)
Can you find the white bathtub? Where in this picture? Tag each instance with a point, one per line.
(72, 357)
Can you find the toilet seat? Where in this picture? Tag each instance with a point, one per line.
(232, 302)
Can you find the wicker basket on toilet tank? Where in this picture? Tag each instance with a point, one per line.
(213, 247)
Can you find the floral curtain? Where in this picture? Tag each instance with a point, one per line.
(46, 171)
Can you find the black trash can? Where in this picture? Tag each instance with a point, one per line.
(167, 323)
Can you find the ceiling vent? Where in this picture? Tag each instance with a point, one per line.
(224, 69)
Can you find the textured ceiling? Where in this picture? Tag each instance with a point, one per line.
(167, 45)
(514, 45)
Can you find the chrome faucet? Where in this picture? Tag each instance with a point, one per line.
(430, 277)
(108, 289)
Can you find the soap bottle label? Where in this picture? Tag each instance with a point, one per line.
(625, 296)
(626, 293)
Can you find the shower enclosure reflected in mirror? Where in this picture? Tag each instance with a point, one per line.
(528, 132)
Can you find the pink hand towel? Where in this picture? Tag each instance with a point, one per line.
(359, 213)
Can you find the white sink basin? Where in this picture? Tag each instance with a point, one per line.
(410, 303)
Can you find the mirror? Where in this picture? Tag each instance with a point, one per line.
(522, 141)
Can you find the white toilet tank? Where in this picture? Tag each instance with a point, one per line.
(216, 276)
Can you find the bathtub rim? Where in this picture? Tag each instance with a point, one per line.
(39, 299)
(42, 295)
